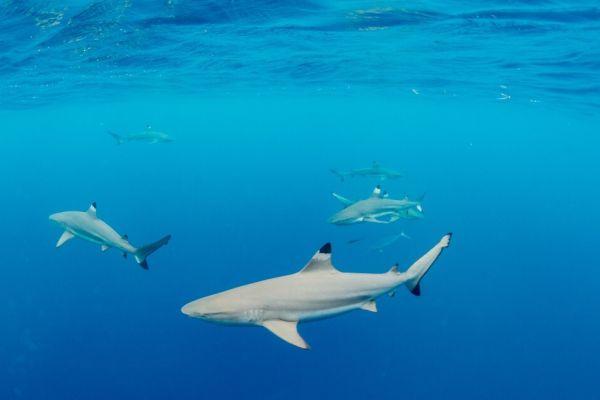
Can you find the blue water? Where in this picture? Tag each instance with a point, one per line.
(490, 108)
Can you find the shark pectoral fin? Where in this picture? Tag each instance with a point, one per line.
(104, 247)
(369, 306)
(66, 236)
(346, 202)
(286, 330)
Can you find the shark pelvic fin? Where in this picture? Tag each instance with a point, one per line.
(346, 202)
(286, 330)
(370, 306)
(321, 261)
(104, 247)
(92, 210)
(65, 237)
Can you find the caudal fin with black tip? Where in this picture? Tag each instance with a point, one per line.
(417, 271)
(143, 252)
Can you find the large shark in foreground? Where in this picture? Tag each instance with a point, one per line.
(88, 226)
(378, 208)
(375, 170)
(148, 136)
(318, 291)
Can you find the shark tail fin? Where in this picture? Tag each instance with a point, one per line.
(117, 137)
(417, 271)
(338, 174)
(143, 252)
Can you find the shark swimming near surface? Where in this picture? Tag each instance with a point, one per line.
(378, 208)
(88, 226)
(147, 136)
(317, 291)
(375, 170)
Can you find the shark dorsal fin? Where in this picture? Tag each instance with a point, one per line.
(321, 261)
(92, 210)
(394, 268)
(376, 191)
(286, 330)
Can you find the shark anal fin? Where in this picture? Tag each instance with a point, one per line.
(287, 331)
(104, 247)
(370, 305)
(66, 236)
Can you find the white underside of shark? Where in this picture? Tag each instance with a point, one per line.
(318, 291)
(86, 225)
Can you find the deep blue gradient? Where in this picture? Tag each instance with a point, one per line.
(282, 93)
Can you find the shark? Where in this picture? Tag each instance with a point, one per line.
(375, 170)
(86, 225)
(148, 136)
(317, 291)
(378, 208)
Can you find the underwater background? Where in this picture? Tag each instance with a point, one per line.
(489, 108)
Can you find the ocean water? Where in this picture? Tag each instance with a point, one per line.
(489, 108)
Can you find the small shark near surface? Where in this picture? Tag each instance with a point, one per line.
(88, 226)
(375, 170)
(378, 208)
(317, 291)
(147, 136)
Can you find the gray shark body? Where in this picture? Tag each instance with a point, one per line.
(86, 225)
(318, 291)
(378, 208)
(375, 171)
(147, 136)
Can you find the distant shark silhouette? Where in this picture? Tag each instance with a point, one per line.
(378, 208)
(318, 291)
(375, 170)
(148, 136)
(88, 226)
(388, 241)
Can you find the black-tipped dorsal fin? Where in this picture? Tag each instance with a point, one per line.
(92, 210)
(376, 191)
(321, 261)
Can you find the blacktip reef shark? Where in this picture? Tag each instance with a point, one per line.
(86, 225)
(375, 170)
(378, 208)
(317, 291)
(148, 136)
